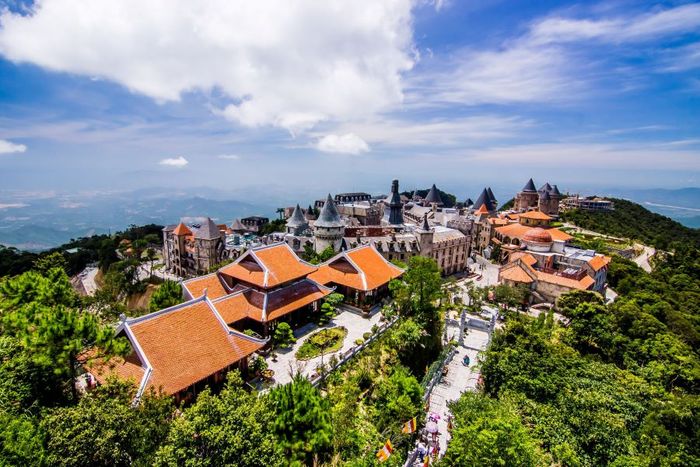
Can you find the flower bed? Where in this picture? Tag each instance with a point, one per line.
(325, 340)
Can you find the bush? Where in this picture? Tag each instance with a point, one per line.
(283, 336)
(359, 341)
(366, 335)
(324, 341)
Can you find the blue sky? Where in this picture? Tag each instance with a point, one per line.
(308, 97)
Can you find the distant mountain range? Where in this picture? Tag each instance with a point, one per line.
(32, 221)
(37, 223)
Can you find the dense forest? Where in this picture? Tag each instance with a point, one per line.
(100, 249)
(615, 384)
(630, 220)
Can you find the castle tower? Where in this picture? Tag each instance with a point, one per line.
(527, 197)
(328, 228)
(395, 208)
(485, 203)
(433, 197)
(492, 197)
(208, 246)
(297, 223)
(425, 238)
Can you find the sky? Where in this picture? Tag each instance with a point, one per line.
(305, 97)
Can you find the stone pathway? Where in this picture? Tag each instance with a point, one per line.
(287, 364)
(459, 379)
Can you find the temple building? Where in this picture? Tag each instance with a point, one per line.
(194, 249)
(361, 274)
(179, 350)
(546, 199)
(264, 286)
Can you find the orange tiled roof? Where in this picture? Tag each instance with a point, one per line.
(598, 262)
(182, 229)
(361, 268)
(526, 258)
(129, 368)
(184, 345)
(516, 273)
(211, 282)
(482, 209)
(497, 221)
(268, 266)
(537, 215)
(583, 284)
(267, 306)
(516, 230)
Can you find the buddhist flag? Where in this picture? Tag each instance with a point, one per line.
(385, 452)
(409, 426)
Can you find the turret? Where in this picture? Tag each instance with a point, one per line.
(328, 228)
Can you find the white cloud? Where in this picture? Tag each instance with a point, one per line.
(544, 65)
(565, 155)
(516, 73)
(289, 63)
(458, 131)
(231, 157)
(178, 162)
(348, 143)
(8, 147)
(671, 21)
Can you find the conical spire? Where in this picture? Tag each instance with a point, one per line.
(485, 199)
(208, 231)
(425, 226)
(491, 196)
(395, 207)
(433, 196)
(545, 188)
(555, 191)
(529, 187)
(329, 216)
(469, 202)
(237, 226)
(297, 218)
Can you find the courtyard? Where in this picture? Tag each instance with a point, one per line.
(287, 364)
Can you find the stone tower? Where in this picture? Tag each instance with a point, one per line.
(395, 207)
(328, 228)
(425, 238)
(527, 197)
(297, 223)
(209, 246)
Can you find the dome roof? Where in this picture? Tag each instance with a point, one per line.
(537, 235)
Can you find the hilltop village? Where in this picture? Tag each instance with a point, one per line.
(403, 325)
(239, 285)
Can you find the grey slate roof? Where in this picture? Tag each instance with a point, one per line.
(329, 216)
(297, 218)
(237, 226)
(433, 196)
(545, 195)
(469, 202)
(529, 187)
(484, 198)
(545, 188)
(425, 226)
(555, 191)
(208, 230)
(493, 198)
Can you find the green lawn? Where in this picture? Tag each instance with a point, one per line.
(326, 340)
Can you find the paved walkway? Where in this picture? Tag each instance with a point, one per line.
(459, 379)
(643, 259)
(287, 364)
(87, 277)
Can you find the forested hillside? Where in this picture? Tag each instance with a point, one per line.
(613, 384)
(630, 220)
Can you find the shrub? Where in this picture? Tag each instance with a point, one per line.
(324, 341)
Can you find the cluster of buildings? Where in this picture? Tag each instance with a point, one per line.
(241, 286)
(229, 315)
(400, 226)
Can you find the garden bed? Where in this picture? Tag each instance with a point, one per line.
(326, 341)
